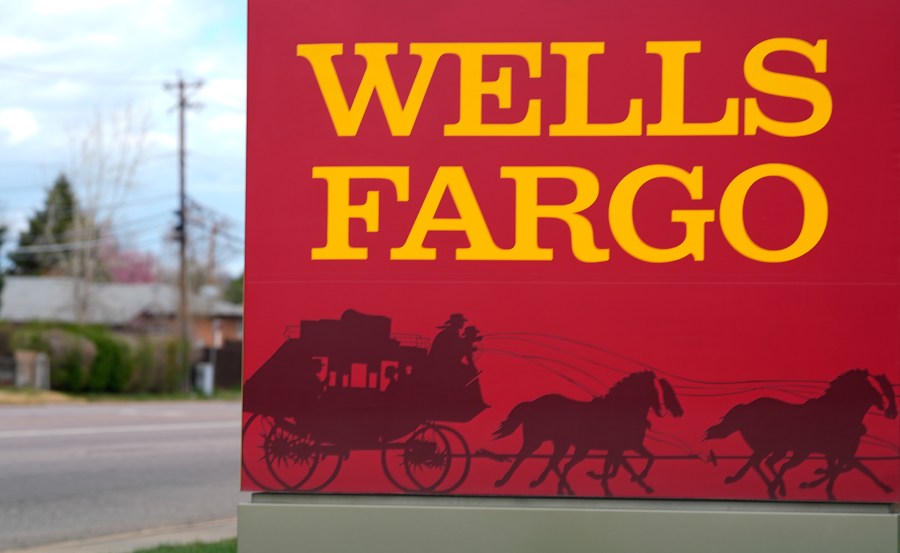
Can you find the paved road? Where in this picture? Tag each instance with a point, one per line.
(82, 470)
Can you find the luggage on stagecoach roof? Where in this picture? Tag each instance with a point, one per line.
(352, 328)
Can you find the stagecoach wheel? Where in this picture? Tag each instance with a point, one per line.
(421, 463)
(391, 463)
(329, 465)
(255, 430)
(291, 457)
(459, 451)
(426, 458)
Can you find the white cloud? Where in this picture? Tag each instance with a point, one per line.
(19, 124)
(64, 7)
(157, 140)
(104, 39)
(228, 122)
(14, 46)
(63, 89)
(231, 93)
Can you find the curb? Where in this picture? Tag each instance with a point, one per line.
(127, 542)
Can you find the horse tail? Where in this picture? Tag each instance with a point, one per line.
(513, 421)
(731, 423)
(670, 400)
(890, 409)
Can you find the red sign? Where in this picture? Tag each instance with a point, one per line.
(583, 248)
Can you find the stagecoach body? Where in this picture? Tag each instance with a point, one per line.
(339, 385)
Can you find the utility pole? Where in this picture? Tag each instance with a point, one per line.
(182, 87)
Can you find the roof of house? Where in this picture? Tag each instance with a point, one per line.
(115, 304)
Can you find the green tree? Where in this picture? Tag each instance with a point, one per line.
(234, 292)
(37, 252)
(2, 237)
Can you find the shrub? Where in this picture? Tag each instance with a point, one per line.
(68, 374)
(93, 359)
(174, 370)
(144, 377)
(6, 333)
(71, 356)
(155, 364)
(111, 369)
(30, 338)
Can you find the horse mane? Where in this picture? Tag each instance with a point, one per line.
(628, 384)
(840, 383)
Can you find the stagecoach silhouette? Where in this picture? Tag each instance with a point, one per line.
(338, 386)
(344, 385)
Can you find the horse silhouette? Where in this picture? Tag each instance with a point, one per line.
(830, 425)
(616, 422)
(835, 466)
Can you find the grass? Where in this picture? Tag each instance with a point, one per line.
(28, 396)
(226, 546)
(20, 391)
(32, 396)
(164, 396)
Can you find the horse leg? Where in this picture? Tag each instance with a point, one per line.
(829, 487)
(523, 454)
(615, 467)
(835, 470)
(641, 450)
(602, 475)
(578, 456)
(609, 466)
(772, 461)
(635, 477)
(752, 462)
(559, 451)
(830, 466)
(856, 463)
(528, 447)
(778, 482)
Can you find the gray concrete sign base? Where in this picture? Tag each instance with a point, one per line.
(291, 523)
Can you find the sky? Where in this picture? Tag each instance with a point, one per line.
(65, 64)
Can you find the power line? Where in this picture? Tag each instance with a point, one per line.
(101, 240)
(120, 232)
(133, 202)
(152, 217)
(215, 222)
(207, 212)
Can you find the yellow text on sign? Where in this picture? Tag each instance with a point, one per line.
(401, 116)
(453, 184)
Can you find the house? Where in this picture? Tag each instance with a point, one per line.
(138, 308)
